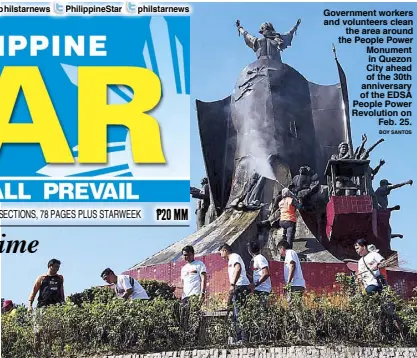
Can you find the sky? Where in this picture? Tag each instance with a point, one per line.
(218, 55)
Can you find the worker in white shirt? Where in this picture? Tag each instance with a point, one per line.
(239, 286)
(260, 269)
(193, 275)
(293, 274)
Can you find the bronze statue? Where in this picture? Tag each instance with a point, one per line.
(376, 169)
(305, 184)
(343, 152)
(343, 182)
(251, 195)
(359, 150)
(384, 190)
(250, 199)
(274, 213)
(370, 175)
(272, 43)
(203, 204)
(361, 153)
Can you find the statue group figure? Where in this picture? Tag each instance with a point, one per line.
(349, 186)
(203, 204)
(305, 185)
(348, 172)
(271, 44)
(380, 196)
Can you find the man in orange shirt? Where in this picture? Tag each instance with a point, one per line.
(50, 286)
(288, 217)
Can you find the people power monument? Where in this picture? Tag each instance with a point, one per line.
(260, 139)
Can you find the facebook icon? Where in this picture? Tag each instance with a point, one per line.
(131, 7)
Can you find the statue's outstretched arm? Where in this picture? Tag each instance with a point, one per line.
(250, 40)
(359, 150)
(285, 40)
(396, 186)
(370, 149)
(200, 193)
(294, 29)
(376, 170)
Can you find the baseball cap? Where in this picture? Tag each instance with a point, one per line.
(7, 303)
(384, 182)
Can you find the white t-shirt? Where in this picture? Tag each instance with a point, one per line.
(371, 259)
(260, 262)
(191, 276)
(298, 279)
(233, 260)
(123, 284)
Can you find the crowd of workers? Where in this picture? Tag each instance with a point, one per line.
(50, 286)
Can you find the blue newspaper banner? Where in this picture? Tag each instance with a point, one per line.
(53, 127)
(95, 190)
